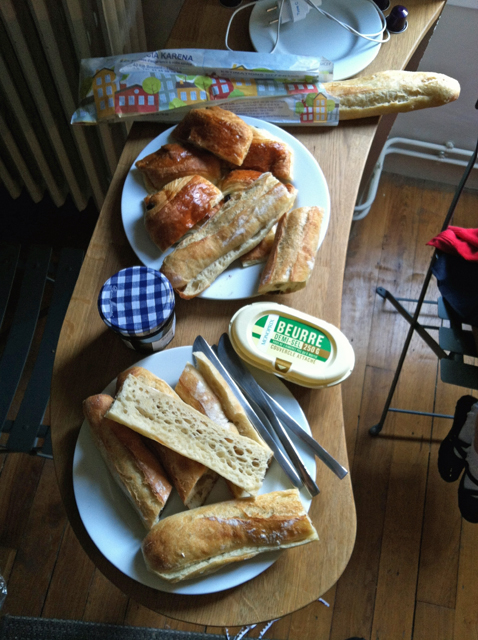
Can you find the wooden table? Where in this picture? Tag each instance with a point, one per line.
(89, 356)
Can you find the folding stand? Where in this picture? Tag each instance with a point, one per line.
(413, 319)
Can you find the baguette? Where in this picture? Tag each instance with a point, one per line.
(237, 227)
(177, 426)
(201, 541)
(132, 465)
(292, 256)
(392, 92)
(192, 480)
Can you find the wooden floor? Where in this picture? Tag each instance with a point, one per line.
(413, 571)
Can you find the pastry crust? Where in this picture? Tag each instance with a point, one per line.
(174, 161)
(192, 480)
(392, 92)
(292, 257)
(238, 180)
(133, 466)
(239, 225)
(268, 153)
(219, 131)
(199, 542)
(178, 207)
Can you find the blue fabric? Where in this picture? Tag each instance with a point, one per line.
(136, 301)
(457, 281)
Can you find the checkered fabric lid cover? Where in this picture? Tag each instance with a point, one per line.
(136, 301)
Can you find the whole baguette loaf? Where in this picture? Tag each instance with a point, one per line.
(392, 92)
(201, 541)
(177, 426)
(132, 465)
(192, 480)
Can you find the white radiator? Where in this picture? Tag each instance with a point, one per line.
(41, 44)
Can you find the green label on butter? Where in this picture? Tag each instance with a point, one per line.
(278, 335)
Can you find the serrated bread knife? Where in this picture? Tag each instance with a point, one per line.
(268, 435)
(244, 376)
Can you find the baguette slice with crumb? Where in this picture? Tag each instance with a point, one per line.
(177, 426)
(192, 480)
(198, 542)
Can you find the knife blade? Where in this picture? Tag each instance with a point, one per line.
(253, 391)
(269, 437)
(227, 350)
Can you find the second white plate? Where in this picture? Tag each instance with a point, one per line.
(317, 35)
(116, 529)
(236, 283)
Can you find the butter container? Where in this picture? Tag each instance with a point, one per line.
(291, 344)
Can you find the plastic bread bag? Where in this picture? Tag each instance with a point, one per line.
(139, 86)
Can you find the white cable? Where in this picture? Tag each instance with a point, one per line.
(380, 37)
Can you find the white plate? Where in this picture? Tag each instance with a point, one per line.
(236, 283)
(116, 529)
(317, 35)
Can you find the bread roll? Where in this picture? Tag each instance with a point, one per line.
(173, 161)
(133, 466)
(392, 92)
(198, 542)
(177, 426)
(192, 480)
(221, 132)
(292, 256)
(268, 153)
(178, 207)
(239, 225)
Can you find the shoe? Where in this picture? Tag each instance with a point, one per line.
(452, 452)
(468, 498)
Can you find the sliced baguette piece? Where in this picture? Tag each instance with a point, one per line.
(237, 227)
(193, 389)
(192, 480)
(201, 541)
(292, 256)
(229, 403)
(135, 469)
(177, 426)
(392, 92)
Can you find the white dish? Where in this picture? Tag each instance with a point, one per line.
(317, 35)
(236, 283)
(116, 529)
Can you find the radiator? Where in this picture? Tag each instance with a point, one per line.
(41, 45)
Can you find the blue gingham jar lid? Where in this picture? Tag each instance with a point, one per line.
(136, 301)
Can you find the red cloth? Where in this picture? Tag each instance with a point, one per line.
(458, 241)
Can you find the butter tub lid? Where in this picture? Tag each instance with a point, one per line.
(291, 344)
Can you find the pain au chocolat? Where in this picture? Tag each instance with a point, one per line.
(178, 207)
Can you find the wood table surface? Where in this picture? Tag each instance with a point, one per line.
(89, 356)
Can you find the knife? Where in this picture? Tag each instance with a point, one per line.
(254, 391)
(269, 437)
(228, 354)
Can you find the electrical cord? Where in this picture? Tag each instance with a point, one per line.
(380, 37)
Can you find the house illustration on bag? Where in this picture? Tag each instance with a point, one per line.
(104, 90)
(135, 99)
(189, 93)
(317, 111)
